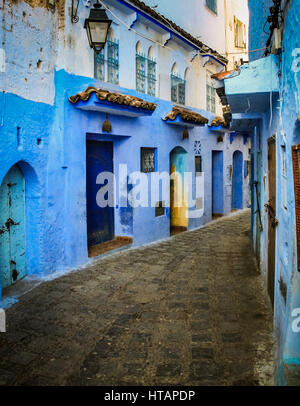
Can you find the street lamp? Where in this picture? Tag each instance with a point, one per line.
(97, 26)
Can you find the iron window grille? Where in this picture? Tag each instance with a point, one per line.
(145, 74)
(177, 89)
(151, 77)
(148, 158)
(107, 63)
(212, 5)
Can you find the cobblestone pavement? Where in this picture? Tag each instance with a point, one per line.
(187, 311)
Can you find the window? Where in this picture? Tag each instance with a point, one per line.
(107, 63)
(212, 5)
(145, 73)
(177, 89)
(148, 158)
(210, 94)
(160, 209)
(198, 164)
(177, 86)
(151, 77)
(239, 34)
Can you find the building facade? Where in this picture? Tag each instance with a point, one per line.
(264, 99)
(145, 104)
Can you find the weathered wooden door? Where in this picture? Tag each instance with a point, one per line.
(179, 220)
(258, 191)
(296, 170)
(12, 227)
(271, 207)
(100, 221)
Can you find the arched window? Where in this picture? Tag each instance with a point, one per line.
(145, 70)
(151, 72)
(140, 69)
(177, 86)
(188, 86)
(107, 62)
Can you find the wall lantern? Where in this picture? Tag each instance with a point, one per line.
(97, 26)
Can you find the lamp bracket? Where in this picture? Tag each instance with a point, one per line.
(74, 16)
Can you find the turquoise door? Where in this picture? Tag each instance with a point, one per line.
(12, 228)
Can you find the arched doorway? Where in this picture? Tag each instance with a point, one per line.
(178, 191)
(237, 181)
(12, 228)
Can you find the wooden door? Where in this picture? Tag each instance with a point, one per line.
(12, 228)
(271, 207)
(217, 184)
(296, 169)
(100, 220)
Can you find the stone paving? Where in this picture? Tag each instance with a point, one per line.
(188, 311)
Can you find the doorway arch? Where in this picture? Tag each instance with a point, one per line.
(237, 181)
(178, 191)
(20, 217)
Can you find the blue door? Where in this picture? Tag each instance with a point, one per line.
(237, 181)
(12, 228)
(100, 221)
(217, 183)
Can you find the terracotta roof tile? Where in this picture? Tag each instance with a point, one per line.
(186, 115)
(225, 74)
(218, 121)
(112, 97)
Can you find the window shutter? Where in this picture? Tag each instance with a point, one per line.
(296, 168)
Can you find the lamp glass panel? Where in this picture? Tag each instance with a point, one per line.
(98, 32)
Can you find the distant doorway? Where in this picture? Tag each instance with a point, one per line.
(217, 184)
(178, 191)
(100, 221)
(237, 181)
(12, 228)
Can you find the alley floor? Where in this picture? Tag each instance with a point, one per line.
(187, 311)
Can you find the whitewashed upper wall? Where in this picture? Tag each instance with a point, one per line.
(238, 9)
(28, 49)
(196, 18)
(37, 41)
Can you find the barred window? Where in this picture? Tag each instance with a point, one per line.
(151, 77)
(140, 72)
(148, 157)
(212, 5)
(107, 63)
(113, 62)
(177, 89)
(145, 74)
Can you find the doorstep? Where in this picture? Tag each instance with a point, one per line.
(116, 244)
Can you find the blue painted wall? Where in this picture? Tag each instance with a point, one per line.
(259, 12)
(279, 118)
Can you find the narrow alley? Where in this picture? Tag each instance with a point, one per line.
(190, 310)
